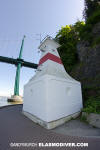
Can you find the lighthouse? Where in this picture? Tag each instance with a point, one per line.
(52, 96)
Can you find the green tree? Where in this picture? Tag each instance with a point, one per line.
(68, 37)
(90, 7)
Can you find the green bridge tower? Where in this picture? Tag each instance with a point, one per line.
(16, 97)
(17, 78)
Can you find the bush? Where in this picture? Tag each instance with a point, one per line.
(90, 7)
(68, 38)
(95, 18)
(83, 118)
(86, 31)
(92, 105)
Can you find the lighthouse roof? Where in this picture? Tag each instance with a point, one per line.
(48, 41)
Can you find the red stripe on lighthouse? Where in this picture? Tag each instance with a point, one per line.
(50, 57)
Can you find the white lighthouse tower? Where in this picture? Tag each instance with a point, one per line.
(51, 97)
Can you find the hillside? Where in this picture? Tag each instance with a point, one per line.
(80, 53)
(87, 70)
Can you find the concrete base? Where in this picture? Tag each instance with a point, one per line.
(15, 98)
(52, 124)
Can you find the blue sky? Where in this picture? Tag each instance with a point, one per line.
(30, 17)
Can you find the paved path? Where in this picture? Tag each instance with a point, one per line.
(15, 127)
(78, 128)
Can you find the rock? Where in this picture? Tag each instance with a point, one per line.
(89, 56)
(82, 50)
(93, 119)
(89, 66)
(96, 30)
(88, 69)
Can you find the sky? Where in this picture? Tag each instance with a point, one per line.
(30, 18)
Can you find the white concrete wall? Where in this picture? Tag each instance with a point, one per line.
(51, 98)
(64, 98)
(35, 98)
